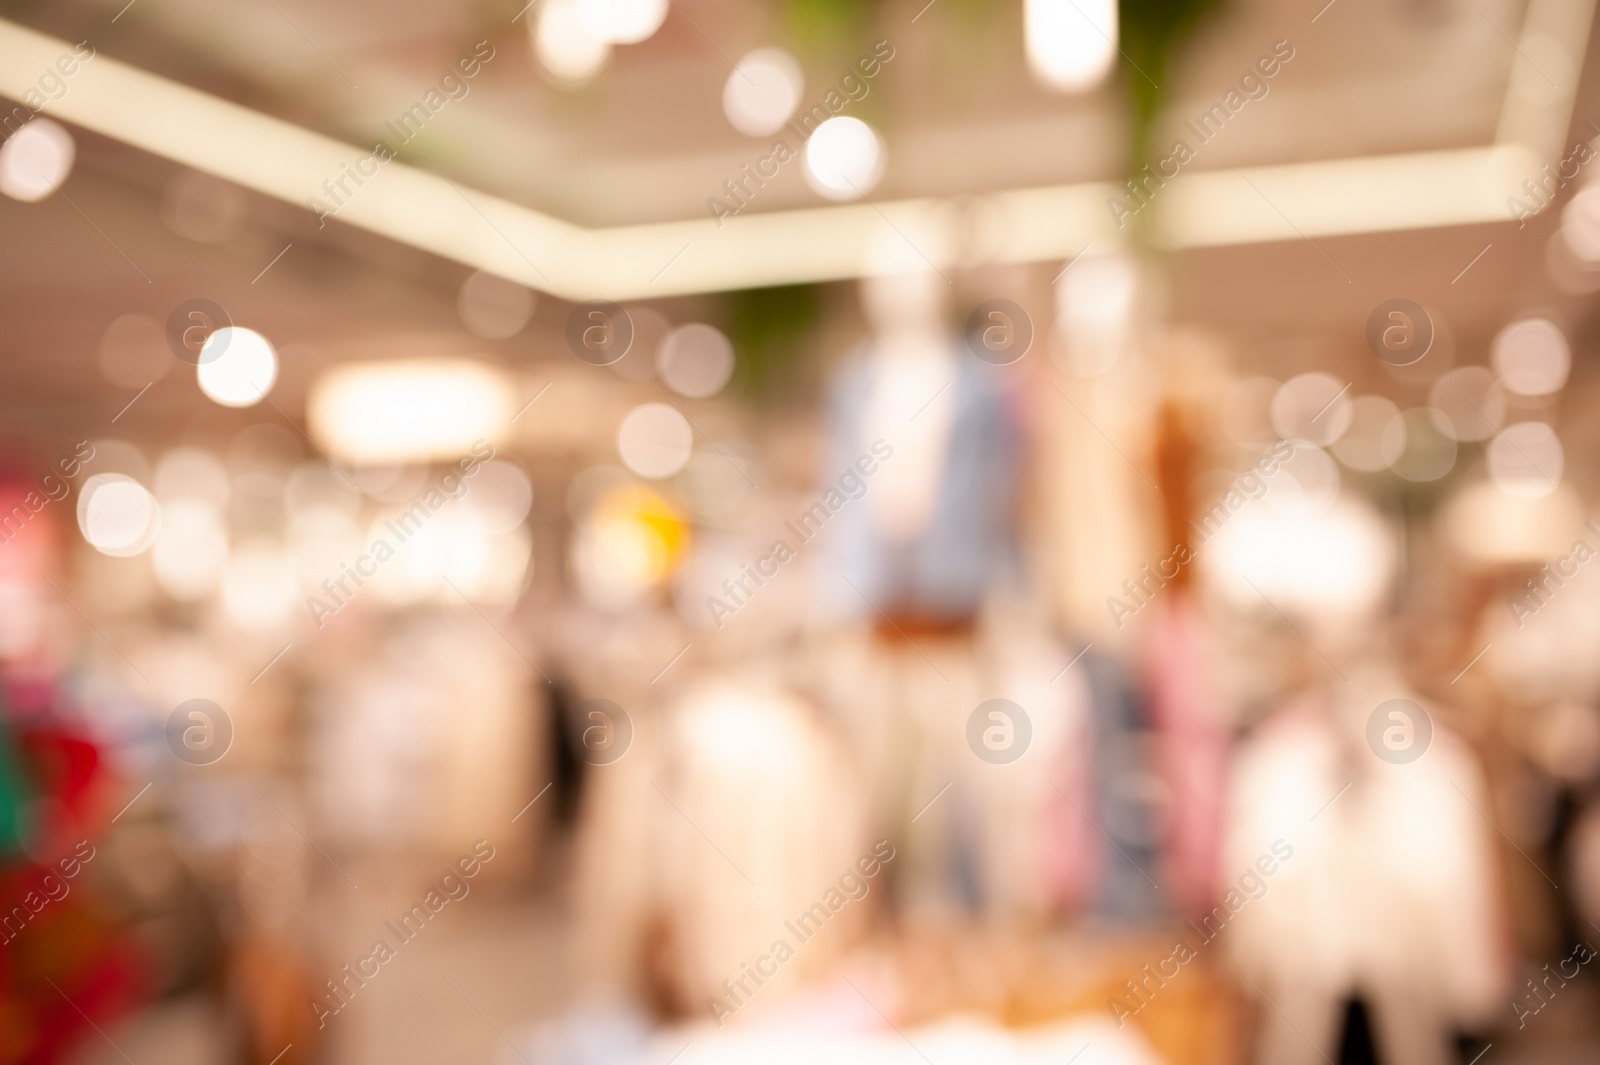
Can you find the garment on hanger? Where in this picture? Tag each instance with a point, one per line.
(1191, 749)
(1388, 893)
(50, 931)
(1038, 852)
(940, 566)
(1095, 503)
(735, 812)
(1123, 810)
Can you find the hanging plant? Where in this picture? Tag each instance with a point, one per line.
(827, 25)
(770, 328)
(1152, 34)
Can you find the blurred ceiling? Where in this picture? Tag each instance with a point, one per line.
(1288, 225)
(647, 140)
(1391, 117)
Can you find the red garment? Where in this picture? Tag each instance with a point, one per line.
(63, 968)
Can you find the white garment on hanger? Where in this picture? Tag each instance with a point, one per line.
(1389, 893)
(911, 405)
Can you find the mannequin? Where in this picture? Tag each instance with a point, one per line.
(911, 365)
(915, 560)
(935, 530)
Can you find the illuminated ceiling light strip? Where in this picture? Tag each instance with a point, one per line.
(1544, 76)
(429, 212)
(1371, 195)
(278, 159)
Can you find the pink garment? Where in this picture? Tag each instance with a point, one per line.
(1073, 857)
(1192, 749)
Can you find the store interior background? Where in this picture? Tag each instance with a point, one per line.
(1198, 480)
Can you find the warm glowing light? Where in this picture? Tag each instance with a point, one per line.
(1312, 406)
(490, 567)
(192, 551)
(1570, 274)
(321, 538)
(259, 590)
(1531, 357)
(1094, 313)
(1488, 524)
(1467, 404)
(35, 160)
(622, 21)
(736, 726)
(190, 473)
(626, 546)
(762, 92)
(492, 307)
(567, 47)
(498, 496)
(844, 159)
(695, 360)
(1526, 459)
(1580, 225)
(1306, 484)
(618, 563)
(1338, 561)
(237, 367)
(452, 555)
(1376, 437)
(117, 515)
(654, 440)
(1071, 44)
(399, 411)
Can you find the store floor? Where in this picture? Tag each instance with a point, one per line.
(504, 960)
(467, 987)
